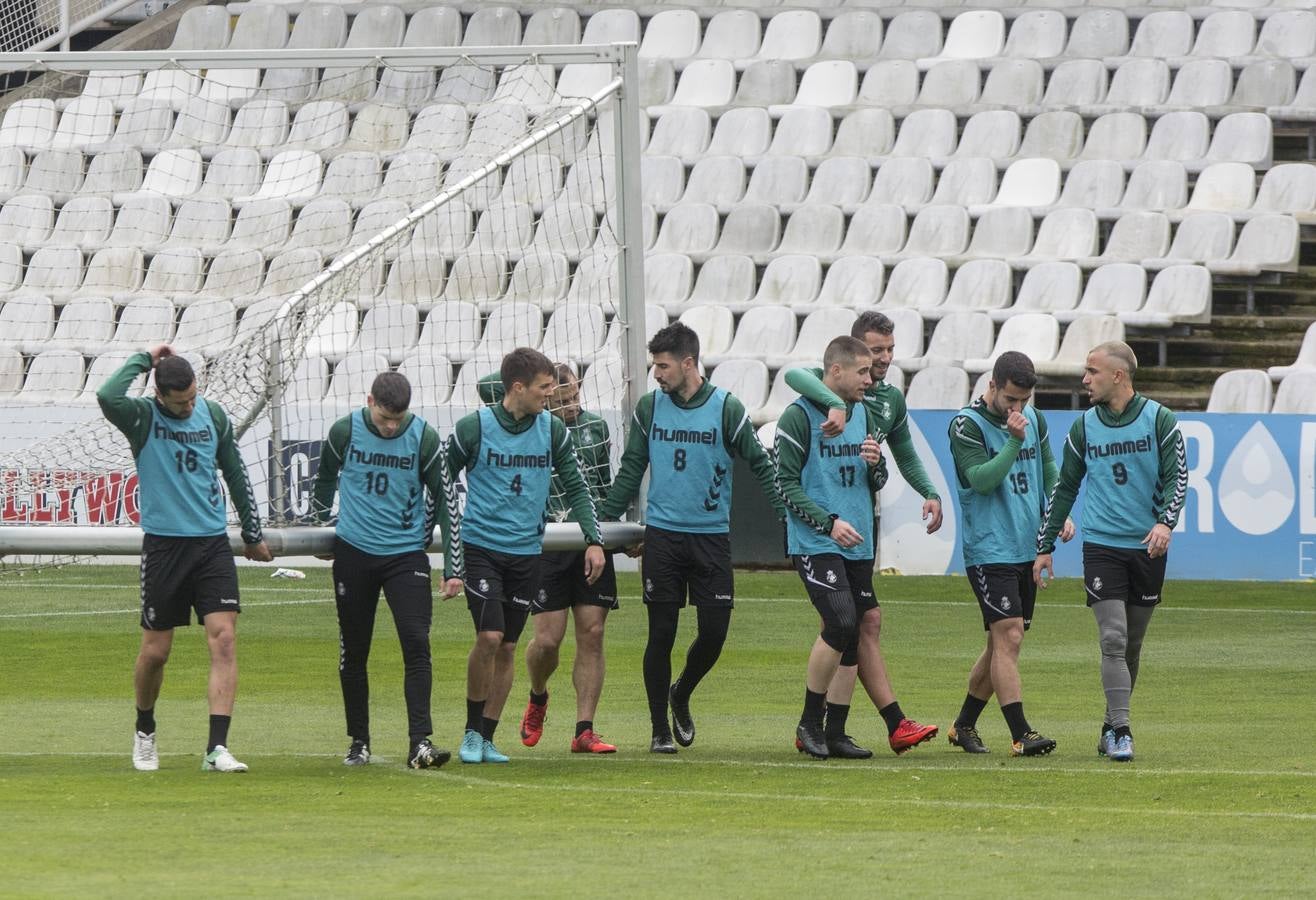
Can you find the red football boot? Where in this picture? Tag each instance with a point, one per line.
(532, 723)
(911, 734)
(589, 742)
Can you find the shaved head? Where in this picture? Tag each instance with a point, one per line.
(1120, 354)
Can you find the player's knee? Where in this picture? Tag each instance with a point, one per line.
(1008, 636)
(1114, 642)
(839, 636)
(152, 656)
(589, 635)
(223, 644)
(505, 655)
(870, 626)
(488, 642)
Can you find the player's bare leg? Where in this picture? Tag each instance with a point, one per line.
(824, 660)
(221, 636)
(148, 671)
(587, 677)
(1007, 637)
(501, 685)
(588, 670)
(541, 661)
(902, 733)
(480, 671)
(148, 676)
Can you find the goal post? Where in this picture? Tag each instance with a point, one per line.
(295, 222)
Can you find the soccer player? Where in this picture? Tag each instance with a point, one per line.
(381, 460)
(829, 483)
(1005, 472)
(886, 406)
(565, 586)
(510, 452)
(179, 441)
(686, 434)
(1130, 451)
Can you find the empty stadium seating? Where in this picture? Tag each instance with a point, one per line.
(995, 176)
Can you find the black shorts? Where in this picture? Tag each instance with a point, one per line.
(564, 584)
(679, 564)
(827, 573)
(180, 574)
(1004, 591)
(1122, 573)
(499, 590)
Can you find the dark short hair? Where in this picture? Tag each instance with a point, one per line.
(1016, 368)
(678, 339)
(871, 320)
(392, 391)
(522, 365)
(843, 350)
(564, 372)
(173, 373)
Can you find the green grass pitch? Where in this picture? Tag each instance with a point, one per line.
(1221, 800)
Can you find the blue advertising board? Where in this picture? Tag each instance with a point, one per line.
(1250, 511)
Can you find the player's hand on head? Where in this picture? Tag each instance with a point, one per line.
(451, 588)
(835, 423)
(160, 352)
(258, 552)
(932, 514)
(1067, 531)
(1042, 570)
(594, 562)
(1158, 540)
(1017, 424)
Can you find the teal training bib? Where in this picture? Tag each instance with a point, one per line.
(689, 467)
(507, 486)
(179, 483)
(381, 498)
(1123, 477)
(1001, 527)
(835, 477)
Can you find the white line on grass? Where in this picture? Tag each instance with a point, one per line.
(801, 601)
(862, 769)
(903, 801)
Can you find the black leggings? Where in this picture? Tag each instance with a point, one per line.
(405, 581)
(699, 659)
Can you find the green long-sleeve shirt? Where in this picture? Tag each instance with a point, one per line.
(593, 442)
(132, 416)
(738, 437)
(793, 441)
(889, 415)
(979, 470)
(464, 449)
(1073, 466)
(434, 474)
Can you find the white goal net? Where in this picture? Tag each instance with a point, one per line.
(294, 230)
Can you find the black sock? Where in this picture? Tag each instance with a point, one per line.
(892, 715)
(1014, 717)
(837, 713)
(539, 699)
(814, 705)
(218, 732)
(474, 713)
(146, 721)
(969, 712)
(583, 726)
(487, 727)
(1123, 731)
